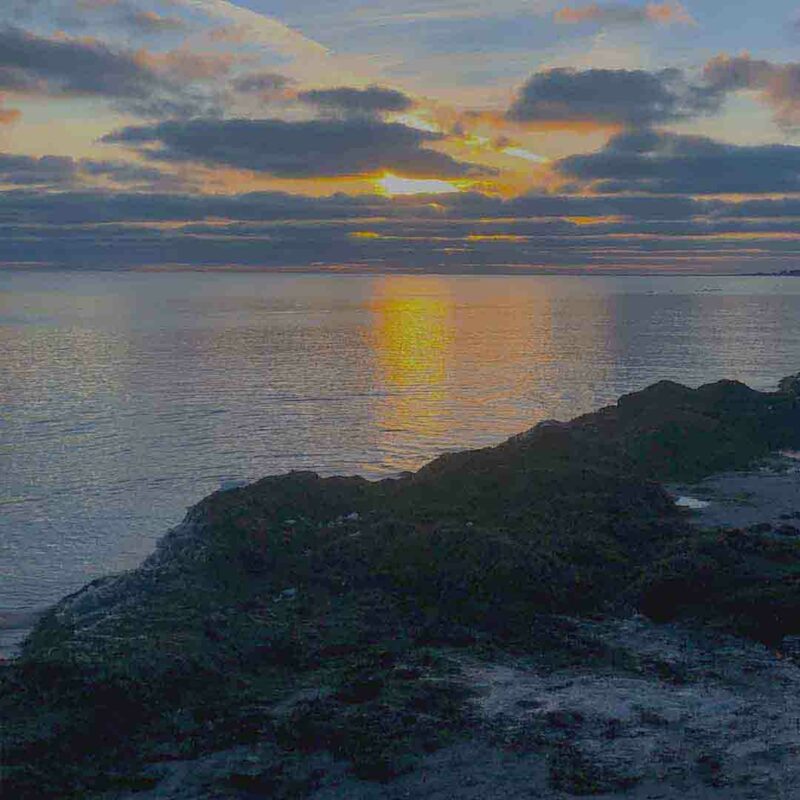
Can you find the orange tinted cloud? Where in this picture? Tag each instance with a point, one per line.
(8, 115)
(578, 126)
(153, 22)
(778, 85)
(187, 64)
(666, 13)
(605, 220)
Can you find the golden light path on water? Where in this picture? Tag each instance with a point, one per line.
(436, 358)
(412, 338)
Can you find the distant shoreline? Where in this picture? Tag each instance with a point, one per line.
(362, 270)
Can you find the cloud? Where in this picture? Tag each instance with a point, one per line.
(266, 207)
(346, 100)
(152, 22)
(187, 65)
(8, 116)
(22, 170)
(124, 172)
(761, 208)
(93, 5)
(610, 97)
(466, 232)
(667, 13)
(70, 67)
(260, 28)
(262, 83)
(310, 149)
(777, 84)
(66, 172)
(660, 162)
(140, 82)
(114, 16)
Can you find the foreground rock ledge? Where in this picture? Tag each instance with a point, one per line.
(536, 619)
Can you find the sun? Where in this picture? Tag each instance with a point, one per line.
(393, 185)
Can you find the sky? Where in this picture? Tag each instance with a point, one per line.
(427, 135)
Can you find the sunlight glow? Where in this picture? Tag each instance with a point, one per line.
(527, 155)
(393, 185)
(496, 237)
(419, 122)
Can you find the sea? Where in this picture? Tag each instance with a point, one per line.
(126, 397)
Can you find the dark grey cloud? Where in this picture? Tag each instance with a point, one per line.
(638, 208)
(760, 208)
(468, 232)
(350, 101)
(777, 84)
(31, 171)
(70, 66)
(66, 172)
(152, 22)
(659, 162)
(89, 207)
(316, 148)
(261, 83)
(611, 97)
(35, 64)
(120, 171)
(126, 173)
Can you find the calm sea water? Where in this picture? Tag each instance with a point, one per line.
(127, 397)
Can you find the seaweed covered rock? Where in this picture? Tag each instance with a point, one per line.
(738, 580)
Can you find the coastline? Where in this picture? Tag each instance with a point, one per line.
(767, 497)
(537, 614)
(15, 626)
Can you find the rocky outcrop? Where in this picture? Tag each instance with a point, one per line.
(298, 634)
(790, 386)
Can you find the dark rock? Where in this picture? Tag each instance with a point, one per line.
(572, 771)
(761, 527)
(564, 720)
(790, 386)
(710, 767)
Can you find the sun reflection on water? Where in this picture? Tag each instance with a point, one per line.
(412, 337)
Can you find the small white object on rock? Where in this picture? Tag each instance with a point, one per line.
(354, 517)
(691, 502)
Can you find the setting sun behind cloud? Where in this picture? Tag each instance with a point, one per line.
(393, 185)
